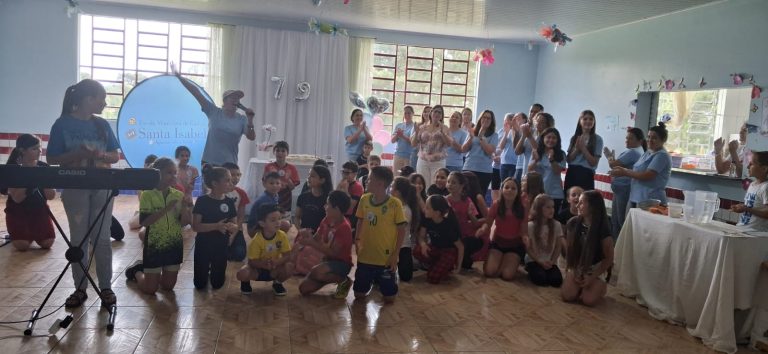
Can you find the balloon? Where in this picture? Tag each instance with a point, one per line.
(357, 100)
(383, 104)
(389, 148)
(377, 149)
(367, 118)
(303, 89)
(381, 137)
(280, 80)
(372, 103)
(377, 124)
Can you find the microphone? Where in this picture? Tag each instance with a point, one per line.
(240, 105)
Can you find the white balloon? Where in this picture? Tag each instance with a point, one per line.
(279, 89)
(303, 89)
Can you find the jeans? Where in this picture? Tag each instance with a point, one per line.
(619, 208)
(414, 158)
(507, 171)
(82, 206)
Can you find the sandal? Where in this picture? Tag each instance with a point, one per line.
(108, 297)
(76, 299)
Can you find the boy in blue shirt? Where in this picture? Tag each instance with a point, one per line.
(272, 185)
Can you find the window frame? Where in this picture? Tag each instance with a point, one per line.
(436, 86)
(132, 68)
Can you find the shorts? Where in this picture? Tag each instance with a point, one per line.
(165, 268)
(338, 267)
(519, 250)
(264, 274)
(365, 275)
(496, 179)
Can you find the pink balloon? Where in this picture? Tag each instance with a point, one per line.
(381, 136)
(377, 124)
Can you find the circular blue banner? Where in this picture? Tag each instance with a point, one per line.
(157, 116)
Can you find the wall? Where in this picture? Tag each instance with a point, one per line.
(600, 71)
(38, 58)
(38, 61)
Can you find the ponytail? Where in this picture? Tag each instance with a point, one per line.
(75, 94)
(213, 174)
(24, 141)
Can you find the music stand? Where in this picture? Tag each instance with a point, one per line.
(53, 177)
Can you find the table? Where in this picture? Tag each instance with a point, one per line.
(251, 180)
(694, 275)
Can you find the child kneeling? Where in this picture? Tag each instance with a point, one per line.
(445, 250)
(269, 252)
(164, 211)
(334, 240)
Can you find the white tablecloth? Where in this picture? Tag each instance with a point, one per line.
(695, 275)
(251, 180)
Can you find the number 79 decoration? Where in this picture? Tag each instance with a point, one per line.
(302, 88)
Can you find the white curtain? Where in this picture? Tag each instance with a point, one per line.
(361, 65)
(220, 43)
(314, 126)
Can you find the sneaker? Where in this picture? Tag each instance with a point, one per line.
(130, 272)
(278, 289)
(342, 289)
(245, 288)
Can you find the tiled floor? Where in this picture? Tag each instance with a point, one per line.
(466, 314)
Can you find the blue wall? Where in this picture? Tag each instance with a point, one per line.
(38, 58)
(600, 71)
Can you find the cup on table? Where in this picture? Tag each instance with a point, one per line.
(675, 210)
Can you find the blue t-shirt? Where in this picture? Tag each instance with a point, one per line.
(627, 159)
(655, 188)
(508, 155)
(524, 159)
(477, 160)
(263, 199)
(580, 160)
(453, 157)
(355, 148)
(69, 133)
(403, 148)
(224, 134)
(553, 182)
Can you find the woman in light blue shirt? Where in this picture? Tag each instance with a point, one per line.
(355, 135)
(584, 152)
(454, 160)
(508, 141)
(402, 137)
(636, 146)
(650, 173)
(480, 148)
(530, 132)
(548, 159)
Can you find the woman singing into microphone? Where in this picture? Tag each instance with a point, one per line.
(225, 124)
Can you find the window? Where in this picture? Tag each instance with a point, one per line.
(698, 118)
(419, 76)
(120, 53)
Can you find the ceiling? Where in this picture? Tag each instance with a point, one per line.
(504, 20)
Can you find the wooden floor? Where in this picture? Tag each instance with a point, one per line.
(466, 314)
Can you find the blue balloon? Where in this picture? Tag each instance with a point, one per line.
(157, 116)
